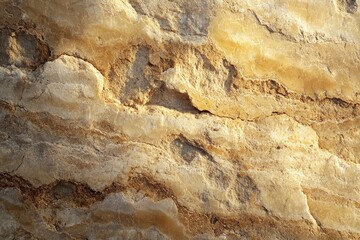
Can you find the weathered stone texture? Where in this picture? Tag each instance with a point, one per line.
(131, 119)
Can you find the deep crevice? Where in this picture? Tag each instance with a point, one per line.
(22, 48)
(172, 99)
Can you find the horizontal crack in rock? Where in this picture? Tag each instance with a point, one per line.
(249, 225)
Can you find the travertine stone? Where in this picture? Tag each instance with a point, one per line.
(216, 119)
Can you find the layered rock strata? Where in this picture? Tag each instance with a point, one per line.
(179, 119)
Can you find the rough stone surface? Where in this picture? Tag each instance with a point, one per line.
(215, 119)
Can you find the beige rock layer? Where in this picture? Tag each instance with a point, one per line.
(179, 120)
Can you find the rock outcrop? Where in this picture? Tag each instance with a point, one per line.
(130, 119)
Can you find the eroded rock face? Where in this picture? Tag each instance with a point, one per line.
(179, 120)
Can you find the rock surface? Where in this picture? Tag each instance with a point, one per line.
(131, 119)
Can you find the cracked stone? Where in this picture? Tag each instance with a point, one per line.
(179, 120)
